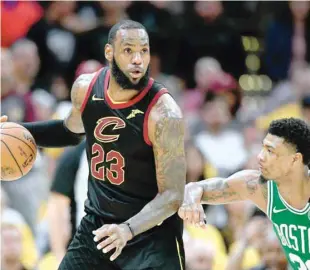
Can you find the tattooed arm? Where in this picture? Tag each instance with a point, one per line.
(78, 93)
(166, 132)
(243, 185)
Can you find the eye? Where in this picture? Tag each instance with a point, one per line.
(145, 50)
(269, 151)
(128, 50)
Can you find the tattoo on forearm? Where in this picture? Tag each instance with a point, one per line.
(169, 148)
(169, 154)
(252, 185)
(219, 190)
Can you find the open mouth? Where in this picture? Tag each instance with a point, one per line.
(135, 74)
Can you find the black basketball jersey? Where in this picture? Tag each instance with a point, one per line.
(122, 176)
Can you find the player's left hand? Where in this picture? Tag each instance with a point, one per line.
(116, 236)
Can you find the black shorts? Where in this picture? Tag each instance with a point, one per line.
(162, 249)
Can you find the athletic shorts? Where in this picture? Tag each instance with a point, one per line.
(161, 248)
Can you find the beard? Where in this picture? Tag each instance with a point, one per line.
(124, 82)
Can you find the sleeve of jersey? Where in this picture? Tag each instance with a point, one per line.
(65, 174)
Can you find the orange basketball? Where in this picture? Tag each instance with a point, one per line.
(18, 151)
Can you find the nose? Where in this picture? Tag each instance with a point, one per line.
(137, 59)
(260, 156)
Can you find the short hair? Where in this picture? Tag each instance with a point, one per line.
(124, 24)
(21, 43)
(295, 132)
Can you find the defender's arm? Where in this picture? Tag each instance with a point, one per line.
(166, 132)
(243, 185)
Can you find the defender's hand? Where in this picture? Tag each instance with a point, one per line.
(3, 119)
(191, 210)
(117, 237)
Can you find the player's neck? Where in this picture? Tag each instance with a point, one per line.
(295, 188)
(118, 94)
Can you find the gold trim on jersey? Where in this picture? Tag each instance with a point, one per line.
(179, 254)
(115, 102)
(133, 113)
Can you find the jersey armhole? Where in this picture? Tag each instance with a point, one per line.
(90, 87)
(146, 117)
(269, 199)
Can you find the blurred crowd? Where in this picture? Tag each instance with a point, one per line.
(232, 67)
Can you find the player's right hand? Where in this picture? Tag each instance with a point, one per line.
(191, 210)
(3, 118)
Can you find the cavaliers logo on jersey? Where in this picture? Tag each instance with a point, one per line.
(103, 123)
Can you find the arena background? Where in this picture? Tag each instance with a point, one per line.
(231, 66)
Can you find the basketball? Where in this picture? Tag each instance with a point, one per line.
(18, 151)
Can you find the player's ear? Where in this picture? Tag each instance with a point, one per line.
(297, 158)
(108, 52)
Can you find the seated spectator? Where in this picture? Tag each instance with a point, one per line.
(11, 248)
(16, 19)
(202, 256)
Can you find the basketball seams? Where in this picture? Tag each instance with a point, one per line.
(19, 140)
(13, 156)
(1, 127)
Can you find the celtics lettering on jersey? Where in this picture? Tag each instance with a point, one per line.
(292, 227)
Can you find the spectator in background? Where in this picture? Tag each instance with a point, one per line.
(57, 43)
(207, 32)
(257, 236)
(92, 42)
(66, 201)
(16, 19)
(285, 98)
(195, 164)
(170, 81)
(273, 257)
(44, 104)
(88, 66)
(12, 103)
(11, 248)
(26, 64)
(18, 108)
(163, 21)
(218, 142)
(12, 218)
(206, 70)
(288, 39)
(26, 67)
(305, 106)
(199, 255)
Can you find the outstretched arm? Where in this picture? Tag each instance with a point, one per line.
(243, 185)
(60, 133)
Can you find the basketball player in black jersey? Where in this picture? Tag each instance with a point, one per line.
(135, 148)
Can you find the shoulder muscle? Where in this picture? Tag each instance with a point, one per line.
(252, 186)
(80, 88)
(165, 120)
